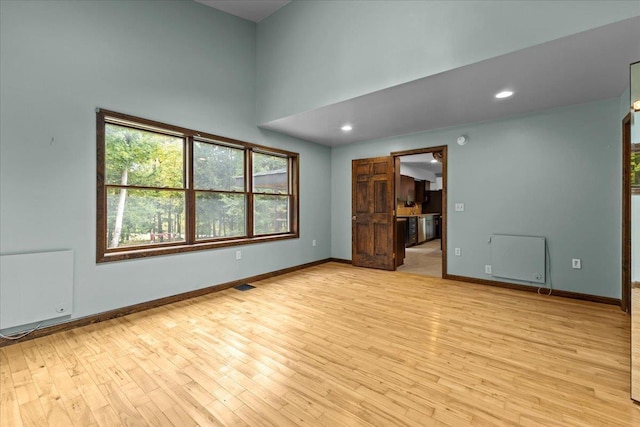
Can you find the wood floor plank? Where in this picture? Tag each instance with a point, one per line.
(9, 407)
(90, 391)
(333, 345)
(119, 401)
(153, 416)
(55, 411)
(32, 414)
(68, 407)
(106, 416)
(170, 409)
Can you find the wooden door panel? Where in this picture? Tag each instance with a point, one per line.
(381, 234)
(373, 216)
(362, 242)
(361, 200)
(363, 170)
(380, 168)
(380, 197)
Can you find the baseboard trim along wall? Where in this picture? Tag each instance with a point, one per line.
(554, 292)
(340, 260)
(635, 341)
(119, 312)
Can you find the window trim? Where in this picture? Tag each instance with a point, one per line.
(103, 254)
(635, 148)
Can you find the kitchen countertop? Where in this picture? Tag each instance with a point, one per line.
(418, 215)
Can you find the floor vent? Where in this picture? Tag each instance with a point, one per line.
(244, 287)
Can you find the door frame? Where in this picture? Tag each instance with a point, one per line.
(625, 300)
(443, 216)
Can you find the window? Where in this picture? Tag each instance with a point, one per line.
(163, 189)
(271, 193)
(635, 168)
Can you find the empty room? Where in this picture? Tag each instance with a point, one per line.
(319, 213)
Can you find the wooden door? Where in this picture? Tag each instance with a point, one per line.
(373, 213)
(625, 301)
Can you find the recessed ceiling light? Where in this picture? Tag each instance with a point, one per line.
(504, 94)
(346, 128)
(434, 161)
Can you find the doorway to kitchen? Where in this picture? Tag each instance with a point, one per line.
(421, 183)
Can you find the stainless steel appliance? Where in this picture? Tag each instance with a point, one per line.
(422, 229)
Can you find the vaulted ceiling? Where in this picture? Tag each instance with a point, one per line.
(253, 10)
(583, 67)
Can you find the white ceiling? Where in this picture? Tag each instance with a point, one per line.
(580, 68)
(583, 67)
(253, 10)
(422, 161)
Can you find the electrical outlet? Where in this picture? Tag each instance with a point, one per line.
(238, 255)
(459, 207)
(487, 269)
(457, 251)
(313, 242)
(576, 263)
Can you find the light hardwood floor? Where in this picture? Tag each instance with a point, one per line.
(333, 345)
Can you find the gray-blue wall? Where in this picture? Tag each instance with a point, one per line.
(633, 95)
(313, 53)
(178, 62)
(555, 174)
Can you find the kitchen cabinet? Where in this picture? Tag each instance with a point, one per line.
(407, 191)
(420, 228)
(412, 231)
(419, 189)
(432, 202)
(401, 235)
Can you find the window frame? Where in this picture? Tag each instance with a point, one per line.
(191, 243)
(255, 194)
(635, 188)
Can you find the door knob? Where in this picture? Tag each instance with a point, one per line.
(353, 218)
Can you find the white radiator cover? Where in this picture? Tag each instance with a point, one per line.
(518, 257)
(35, 287)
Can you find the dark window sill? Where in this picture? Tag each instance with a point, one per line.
(131, 253)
